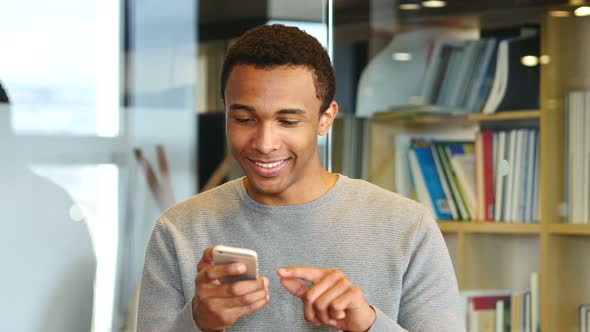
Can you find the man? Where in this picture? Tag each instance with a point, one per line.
(334, 252)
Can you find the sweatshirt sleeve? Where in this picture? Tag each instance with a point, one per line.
(162, 305)
(430, 296)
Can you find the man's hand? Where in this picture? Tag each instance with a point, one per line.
(332, 300)
(216, 306)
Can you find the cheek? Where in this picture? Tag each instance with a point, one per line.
(236, 138)
(302, 142)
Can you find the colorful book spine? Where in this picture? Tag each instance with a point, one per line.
(427, 168)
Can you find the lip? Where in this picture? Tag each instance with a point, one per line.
(269, 172)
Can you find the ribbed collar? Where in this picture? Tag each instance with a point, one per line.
(317, 203)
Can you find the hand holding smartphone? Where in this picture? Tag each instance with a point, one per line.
(226, 255)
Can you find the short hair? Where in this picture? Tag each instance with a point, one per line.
(269, 46)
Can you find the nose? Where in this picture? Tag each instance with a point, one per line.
(266, 139)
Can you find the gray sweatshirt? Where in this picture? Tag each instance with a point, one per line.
(387, 245)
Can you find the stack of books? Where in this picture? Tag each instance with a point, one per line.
(503, 310)
(494, 179)
(488, 75)
(577, 157)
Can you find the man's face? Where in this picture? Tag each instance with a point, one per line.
(272, 125)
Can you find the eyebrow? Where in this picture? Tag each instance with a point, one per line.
(294, 111)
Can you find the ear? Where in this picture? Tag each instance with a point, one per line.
(327, 118)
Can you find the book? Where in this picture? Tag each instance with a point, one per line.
(464, 166)
(534, 281)
(453, 150)
(450, 178)
(466, 66)
(530, 175)
(500, 325)
(403, 179)
(511, 156)
(515, 86)
(522, 81)
(445, 182)
(575, 167)
(488, 175)
(536, 184)
(483, 76)
(450, 78)
(483, 311)
(502, 169)
(520, 165)
(499, 82)
(527, 311)
(428, 185)
(435, 72)
(479, 177)
(418, 182)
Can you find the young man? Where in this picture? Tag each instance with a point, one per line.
(334, 252)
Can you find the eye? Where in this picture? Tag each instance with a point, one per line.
(289, 123)
(244, 120)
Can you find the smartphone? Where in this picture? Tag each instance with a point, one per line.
(226, 255)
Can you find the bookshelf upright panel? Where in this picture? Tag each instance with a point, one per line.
(566, 267)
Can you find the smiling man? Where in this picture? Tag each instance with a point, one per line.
(334, 252)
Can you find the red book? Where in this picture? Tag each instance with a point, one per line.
(488, 174)
(488, 302)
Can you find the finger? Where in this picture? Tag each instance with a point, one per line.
(250, 308)
(323, 305)
(246, 299)
(241, 288)
(294, 286)
(347, 301)
(317, 311)
(206, 259)
(216, 272)
(310, 274)
(320, 287)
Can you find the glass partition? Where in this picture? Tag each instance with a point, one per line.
(100, 114)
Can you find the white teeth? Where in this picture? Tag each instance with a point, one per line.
(269, 165)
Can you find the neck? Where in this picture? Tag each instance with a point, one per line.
(313, 188)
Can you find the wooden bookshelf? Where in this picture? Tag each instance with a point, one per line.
(503, 255)
(418, 117)
(570, 229)
(488, 227)
(505, 116)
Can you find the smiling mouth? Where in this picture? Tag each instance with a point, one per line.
(270, 165)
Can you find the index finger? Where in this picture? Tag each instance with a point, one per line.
(310, 274)
(216, 272)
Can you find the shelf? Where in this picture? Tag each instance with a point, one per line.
(427, 115)
(570, 229)
(505, 116)
(488, 228)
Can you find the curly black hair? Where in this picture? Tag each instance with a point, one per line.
(267, 46)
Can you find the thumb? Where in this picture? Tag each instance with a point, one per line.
(206, 259)
(294, 286)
